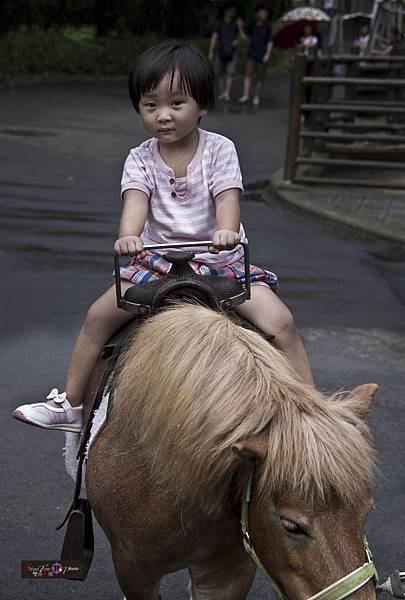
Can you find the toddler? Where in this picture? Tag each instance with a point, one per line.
(182, 184)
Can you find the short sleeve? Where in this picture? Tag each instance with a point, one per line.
(135, 174)
(269, 36)
(225, 169)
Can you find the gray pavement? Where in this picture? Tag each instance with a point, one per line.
(376, 212)
(62, 147)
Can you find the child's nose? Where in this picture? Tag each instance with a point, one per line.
(164, 116)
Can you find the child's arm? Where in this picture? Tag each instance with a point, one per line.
(133, 219)
(228, 221)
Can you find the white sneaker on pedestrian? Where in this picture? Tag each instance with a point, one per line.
(256, 101)
(224, 97)
(243, 99)
(64, 418)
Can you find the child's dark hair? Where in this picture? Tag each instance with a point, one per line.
(196, 75)
(261, 6)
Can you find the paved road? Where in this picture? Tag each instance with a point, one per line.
(61, 152)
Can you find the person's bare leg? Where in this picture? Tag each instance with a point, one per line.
(228, 85)
(246, 86)
(258, 88)
(266, 311)
(221, 80)
(103, 319)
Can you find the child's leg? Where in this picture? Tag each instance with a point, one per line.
(270, 315)
(103, 319)
(65, 413)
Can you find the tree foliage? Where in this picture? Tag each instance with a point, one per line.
(174, 18)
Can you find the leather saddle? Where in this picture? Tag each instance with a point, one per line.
(218, 293)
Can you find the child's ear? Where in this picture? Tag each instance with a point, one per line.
(203, 112)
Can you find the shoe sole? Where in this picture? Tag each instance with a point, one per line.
(21, 417)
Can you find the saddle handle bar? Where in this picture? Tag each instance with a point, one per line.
(206, 243)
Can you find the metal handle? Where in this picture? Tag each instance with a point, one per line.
(394, 585)
(206, 243)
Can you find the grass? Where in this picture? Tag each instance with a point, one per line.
(53, 54)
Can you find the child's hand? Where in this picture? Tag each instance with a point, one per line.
(130, 245)
(224, 239)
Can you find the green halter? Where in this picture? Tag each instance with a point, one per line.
(342, 588)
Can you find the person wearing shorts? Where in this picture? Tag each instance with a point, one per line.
(222, 51)
(260, 38)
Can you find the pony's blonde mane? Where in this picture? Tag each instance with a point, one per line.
(193, 383)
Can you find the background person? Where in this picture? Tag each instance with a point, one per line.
(394, 45)
(362, 42)
(308, 41)
(260, 37)
(224, 40)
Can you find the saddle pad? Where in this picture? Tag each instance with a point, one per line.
(72, 441)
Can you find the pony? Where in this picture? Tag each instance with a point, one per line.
(198, 399)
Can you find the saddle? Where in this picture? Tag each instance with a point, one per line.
(143, 300)
(218, 293)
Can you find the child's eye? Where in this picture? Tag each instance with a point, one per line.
(150, 104)
(178, 102)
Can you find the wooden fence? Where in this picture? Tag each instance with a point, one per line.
(347, 114)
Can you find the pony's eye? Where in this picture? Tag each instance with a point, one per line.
(292, 527)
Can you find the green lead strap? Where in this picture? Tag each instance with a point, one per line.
(246, 538)
(348, 584)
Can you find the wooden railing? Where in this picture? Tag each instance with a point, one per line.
(346, 113)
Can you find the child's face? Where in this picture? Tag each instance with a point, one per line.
(169, 114)
(364, 30)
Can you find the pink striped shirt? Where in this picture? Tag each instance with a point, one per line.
(183, 209)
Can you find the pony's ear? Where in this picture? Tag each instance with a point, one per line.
(360, 399)
(254, 448)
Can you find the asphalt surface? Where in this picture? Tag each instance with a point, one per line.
(62, 147)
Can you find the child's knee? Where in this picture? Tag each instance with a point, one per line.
(93, 316)
(285, 323)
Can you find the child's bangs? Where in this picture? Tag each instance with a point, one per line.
(185, 68)
(175, 79)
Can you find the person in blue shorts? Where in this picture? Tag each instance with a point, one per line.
(222, 51)
(260, 37)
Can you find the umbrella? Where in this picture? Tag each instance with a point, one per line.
(289, 35)
(306, 13)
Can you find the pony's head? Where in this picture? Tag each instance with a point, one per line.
(204, 397)
(307, 528)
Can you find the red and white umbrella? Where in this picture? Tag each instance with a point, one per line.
(305, 13)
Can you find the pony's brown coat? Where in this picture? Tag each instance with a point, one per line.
(193, 383)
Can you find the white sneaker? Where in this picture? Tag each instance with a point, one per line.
(224, 97)
(256, 101)
(42, 414)
(243, 99)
